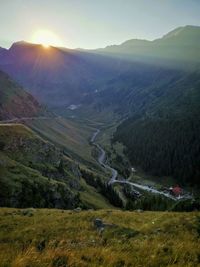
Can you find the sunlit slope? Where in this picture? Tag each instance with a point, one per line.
(72, 137)
(65, 238)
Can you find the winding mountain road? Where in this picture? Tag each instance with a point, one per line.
(102, 158)
(113, 178)
(102, 161)
(15, 120)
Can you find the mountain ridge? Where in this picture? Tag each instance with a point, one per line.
(59, 77)
(176, 49)
(172, 33)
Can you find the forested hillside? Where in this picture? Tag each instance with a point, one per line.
(164, 146)
(164, 139)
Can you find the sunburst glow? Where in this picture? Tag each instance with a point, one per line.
(46, 38)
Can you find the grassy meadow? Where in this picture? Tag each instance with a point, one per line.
(69, 135)
(61, 238)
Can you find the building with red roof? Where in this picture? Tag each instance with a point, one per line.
(176, 191)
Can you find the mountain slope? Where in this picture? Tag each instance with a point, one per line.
(14, 101)
(175, 48)
(33, 172)
(59, 77)
(163, 138)
(55, 76)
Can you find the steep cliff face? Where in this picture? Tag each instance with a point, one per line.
(34, 172)
(14, 101)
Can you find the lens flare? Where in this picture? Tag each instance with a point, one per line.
(46, 38)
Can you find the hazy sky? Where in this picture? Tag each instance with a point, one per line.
(94, 23)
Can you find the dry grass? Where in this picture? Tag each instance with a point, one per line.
(65, 238)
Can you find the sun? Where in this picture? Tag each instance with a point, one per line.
(46, 38)
(45, 46)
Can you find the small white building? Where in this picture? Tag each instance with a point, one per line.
(133, 169)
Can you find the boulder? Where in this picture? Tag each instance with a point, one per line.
(98, 223)
(78, 209)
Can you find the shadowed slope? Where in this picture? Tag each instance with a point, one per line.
(14, 101)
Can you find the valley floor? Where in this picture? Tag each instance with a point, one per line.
(42, 237)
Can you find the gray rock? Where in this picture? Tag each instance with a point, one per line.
(98, 223)
(78, 209)
(101, 230)
(139, 210)
(28, 212)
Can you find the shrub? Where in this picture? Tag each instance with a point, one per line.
(60, 261)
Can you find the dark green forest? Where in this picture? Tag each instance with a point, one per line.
(164, 147)
(165, 139)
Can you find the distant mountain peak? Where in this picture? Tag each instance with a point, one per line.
(2, 49)
(185, 30)
(174, 32)
(135, 42)
(21, 44)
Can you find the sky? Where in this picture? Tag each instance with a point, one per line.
(93, 23)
